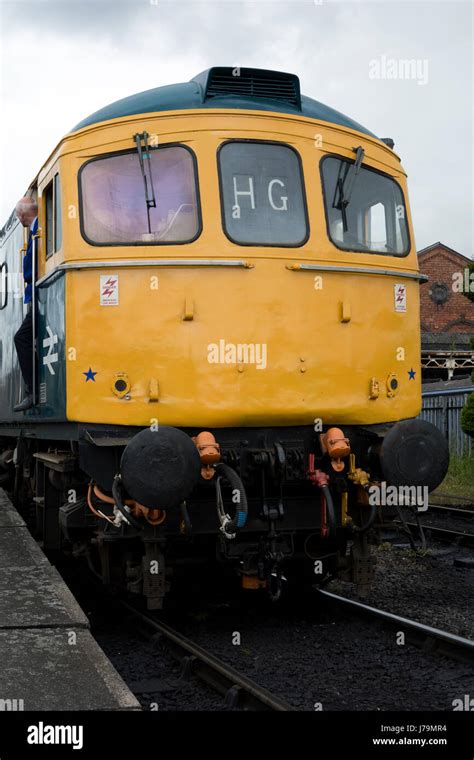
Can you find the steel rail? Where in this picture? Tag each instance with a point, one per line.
(444, 534)
(237, 688)
(443, 494)
(457, 511)
(443, 641)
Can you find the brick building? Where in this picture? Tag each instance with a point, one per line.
(447, 316)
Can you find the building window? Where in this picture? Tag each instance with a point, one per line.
(439, 293)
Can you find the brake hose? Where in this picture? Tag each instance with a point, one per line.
(231, 526)
(331, 513)
(370, 520)
(119, 503)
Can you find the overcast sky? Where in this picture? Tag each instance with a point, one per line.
(60, 61)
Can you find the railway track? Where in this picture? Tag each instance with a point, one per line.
(442, 495)
(243, 693)
(462, 538)
(462, 535)
(238, 690)
(308, 652)
(420, 634)
(458, 511)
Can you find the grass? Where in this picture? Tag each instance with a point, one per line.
(459, 481)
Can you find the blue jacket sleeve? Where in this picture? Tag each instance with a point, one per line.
(28, 263)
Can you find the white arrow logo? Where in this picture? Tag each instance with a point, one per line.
(49, 343)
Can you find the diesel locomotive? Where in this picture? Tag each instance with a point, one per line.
(228, 339)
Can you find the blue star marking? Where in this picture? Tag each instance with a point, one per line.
(90, 375)
(411, 374)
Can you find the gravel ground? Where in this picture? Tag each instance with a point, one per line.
(461, 519)
(319, 658)
(331, 661)
(315, 658)
(428, 588)
(464, 523)
(463, 502)
(153, 675)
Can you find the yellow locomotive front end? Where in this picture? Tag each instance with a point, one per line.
(241, 353)
(244, 305)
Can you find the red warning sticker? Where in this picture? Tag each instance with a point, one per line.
(109, 290)
(400, 292)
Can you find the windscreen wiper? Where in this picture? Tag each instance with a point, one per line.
(145, 167)
(345, 184)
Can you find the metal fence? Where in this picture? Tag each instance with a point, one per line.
(443, 409)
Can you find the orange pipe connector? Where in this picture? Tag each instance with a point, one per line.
(209, 451)
(337, 446)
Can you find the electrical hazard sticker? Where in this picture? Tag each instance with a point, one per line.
(400, 292)
(109, 290)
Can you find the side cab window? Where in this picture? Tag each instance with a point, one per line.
(52, 217)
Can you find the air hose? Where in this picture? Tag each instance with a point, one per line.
(331, 513)
(230, 526)
(370, 520)
(116, 493)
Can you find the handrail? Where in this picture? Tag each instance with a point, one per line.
(121, 263)
(358, 270)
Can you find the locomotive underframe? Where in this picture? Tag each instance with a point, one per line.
(284, 539)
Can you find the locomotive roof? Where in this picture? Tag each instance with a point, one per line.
(226, 87)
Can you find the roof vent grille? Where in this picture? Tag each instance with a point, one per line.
(254, 83)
